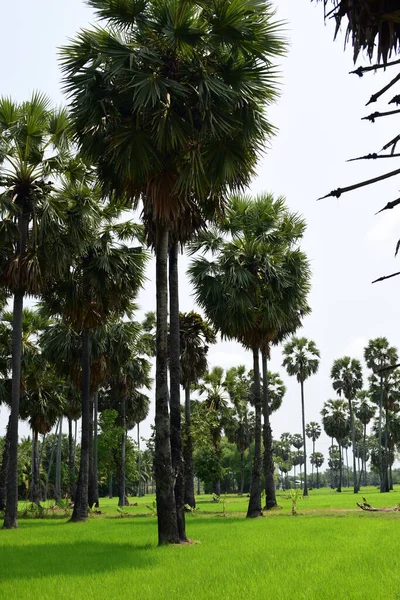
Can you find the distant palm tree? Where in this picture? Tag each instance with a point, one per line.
(317, 460)
(336, 422)
(364, 411)
(297, 441)
(378, 354)
(195, 337)
(313, 431)
(347, 381)
(215, 407)
(301, 360)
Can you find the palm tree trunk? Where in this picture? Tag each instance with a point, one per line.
(381, 469)
(57, 491)
(53, 449)
(317, 478)
(303, 417)
(139, 463)
(269, 467)
(70, 457)
(365, 455)
(91, 497)
(387, 485)
(95, 452)
(175, 391)
(241, 473)
(188, 453)
(10, 513)
(163, 472)
(4, 468)
(110, 486)
(353, 442)
(254, 508)
(80, 512)
(339, 488)
(35, 481)
(122, 491)
(312, 466)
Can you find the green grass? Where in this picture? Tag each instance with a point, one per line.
(331, 550)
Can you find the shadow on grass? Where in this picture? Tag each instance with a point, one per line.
(80, 558)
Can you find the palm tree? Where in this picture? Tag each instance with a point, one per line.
(255, 291)
(301, 360)
(99, 284)
(195, 337)
(378, 355)
(346, 375)
(298, 459)
(313, 431)
(216, 410)
(34, 143)
(336, 423)
(364, 411)
(238, 385)
(152, 138)
(317, 460)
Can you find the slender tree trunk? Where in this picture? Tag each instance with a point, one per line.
(241, 473)
(91, 493)
(57, 491)
(188, 453)
(317, 478)
(365, 455)
(269, 467)
(381, 468)
(353, 442)
(4, 468)
(95, 452)
(198, 486)
(122, 490)
(386, 464)
(175, 391)
(254, 508)
(80, 512)
(53, 449)
(312, 465)
(303, 417)
(10, 513)
(71, 461)
(163, 471)
(110, 486)
(339, 489)
(35, 480)
(140, 491)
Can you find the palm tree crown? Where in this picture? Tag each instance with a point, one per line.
(301, 358)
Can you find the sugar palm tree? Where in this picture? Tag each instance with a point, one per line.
(255, 291)
(313, 431)
(301, 360)
(364, 411)
(273, 394)
(100, 283)
(336, 423)
(186, 134)
(195, 337)
(347, 381)
(378, 354)
(34, 143)
(317, 459)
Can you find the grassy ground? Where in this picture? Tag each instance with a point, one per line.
(331, 550)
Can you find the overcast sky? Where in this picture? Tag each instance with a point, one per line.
(319, 120)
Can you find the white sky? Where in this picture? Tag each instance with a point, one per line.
(319, 120)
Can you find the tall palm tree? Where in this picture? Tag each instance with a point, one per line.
(301, 360)
(336, 423)
(34, 143)
(100, 283)
(186, 134)
(347, 381)
(214, 405)
(378, 354)
(364, 411)
(313, 431)
(256, 292)
(195, 337)
(238, 385)
(317, 459)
